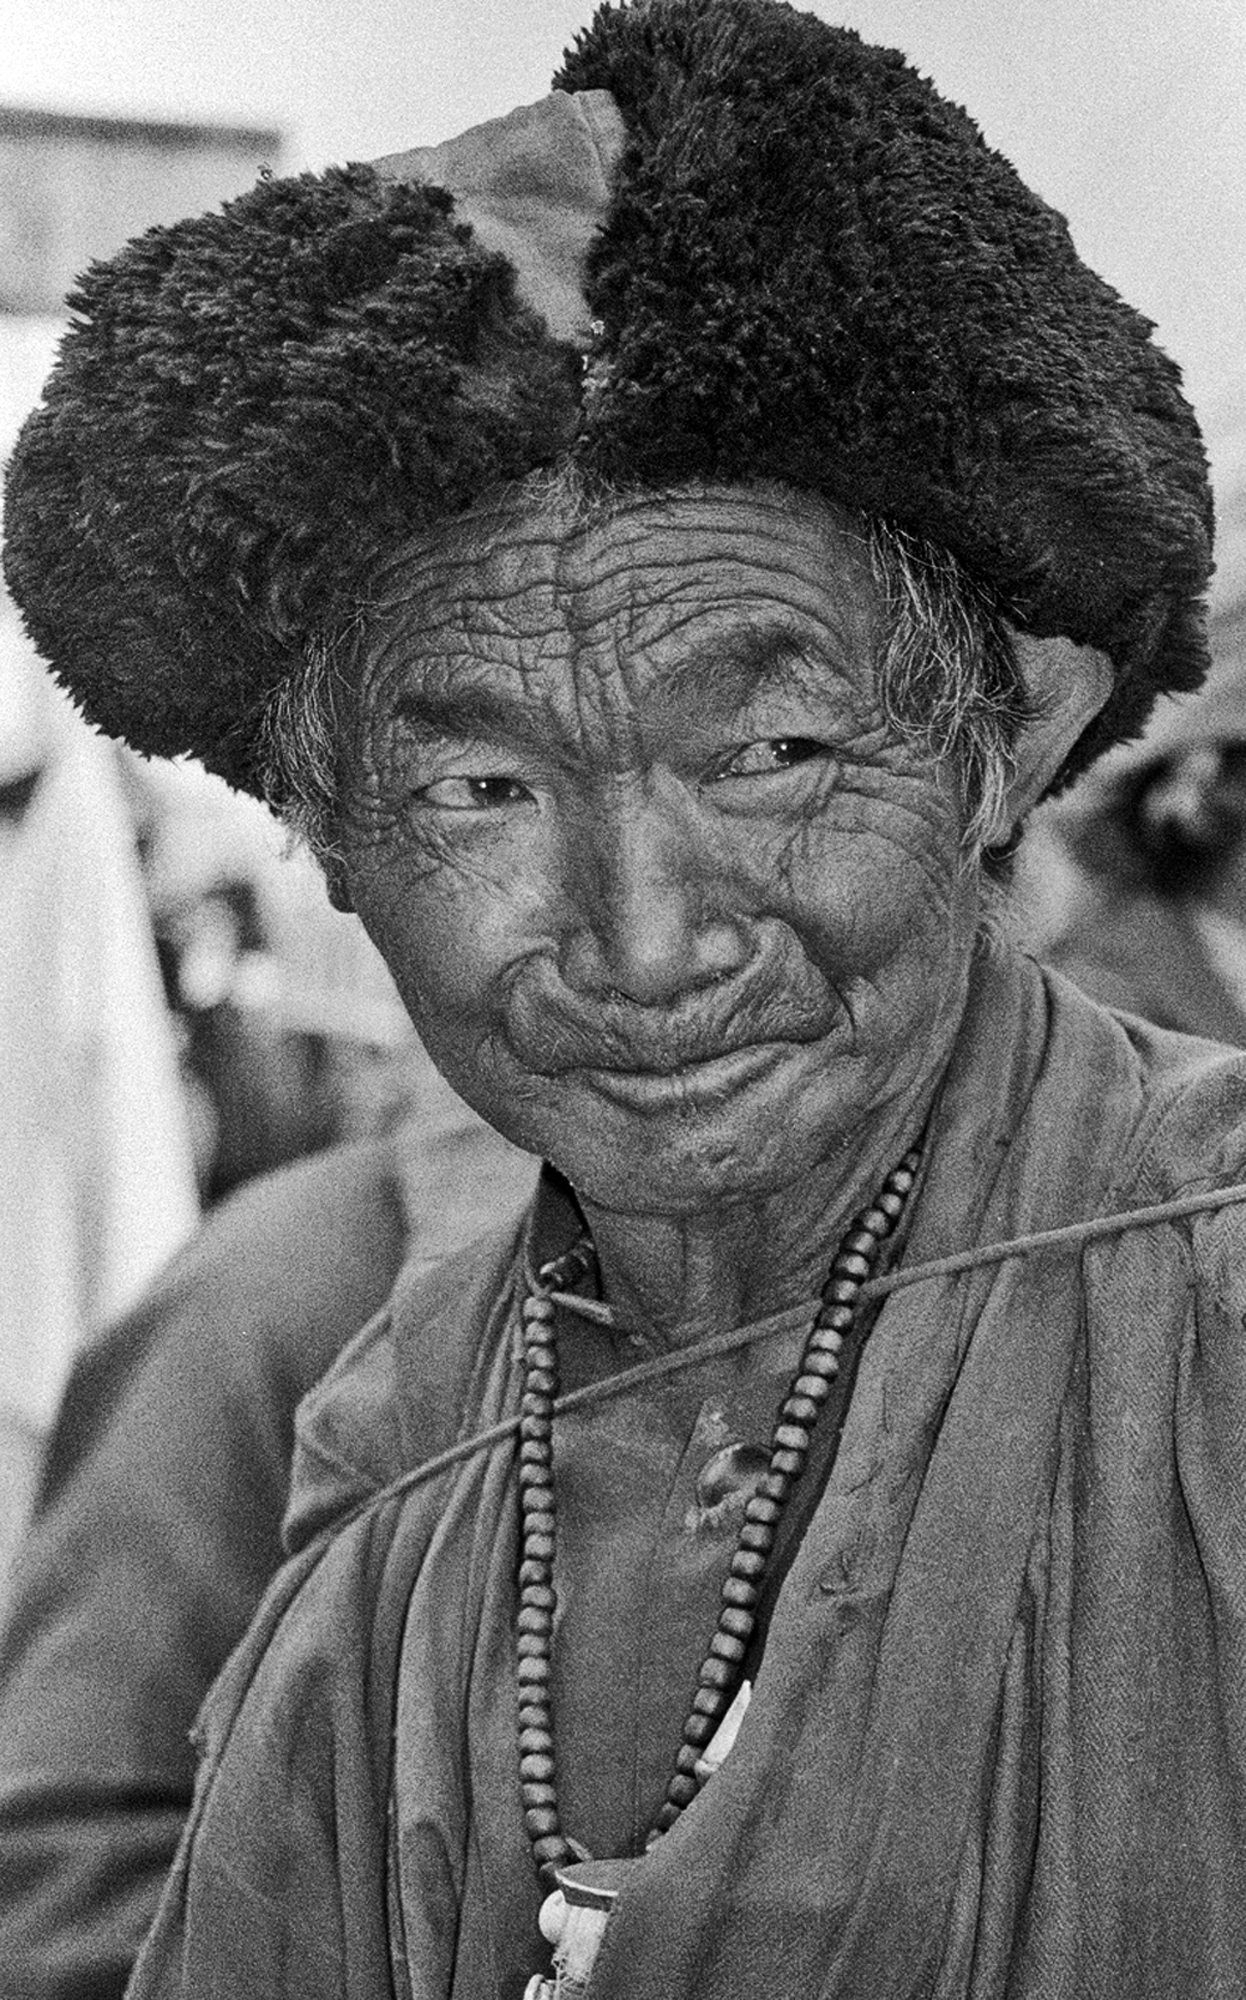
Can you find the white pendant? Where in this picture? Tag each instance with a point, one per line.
(574, 1916)
(573, 1920)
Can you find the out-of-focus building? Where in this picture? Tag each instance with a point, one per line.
(76, 188)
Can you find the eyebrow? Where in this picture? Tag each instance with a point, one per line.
(472, 709)
(725, 670)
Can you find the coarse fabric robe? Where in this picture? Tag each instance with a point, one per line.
(996, 1745)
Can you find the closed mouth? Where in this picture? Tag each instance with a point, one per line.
(708, 1076)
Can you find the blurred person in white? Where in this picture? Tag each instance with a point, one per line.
(1149, 855)
(97, 1188)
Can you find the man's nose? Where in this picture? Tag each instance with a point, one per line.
(651, 917)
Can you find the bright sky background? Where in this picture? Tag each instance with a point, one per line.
(1130, 115)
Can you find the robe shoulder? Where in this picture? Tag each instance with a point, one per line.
(398, 1392)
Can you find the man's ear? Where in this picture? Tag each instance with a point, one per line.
(1066, 686)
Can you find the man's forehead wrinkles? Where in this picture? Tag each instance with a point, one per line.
(473, 547)
(685, 561)
(673, 591)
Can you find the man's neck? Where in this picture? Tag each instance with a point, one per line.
(680, 1278)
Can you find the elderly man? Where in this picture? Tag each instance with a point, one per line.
(681, 1601)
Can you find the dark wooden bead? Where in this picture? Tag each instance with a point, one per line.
(533, 1473)
(550, 1849)
(534, 1427)
(532, 1645)
(536, 1767)
(537, 1450)
(535, 1741)
(682, 1789)
(877, 1221)
(824, 1341)
(774, 1485)
(541, 1382)
(533, 1575)
(709, 1701)
(822, 1362)
(892, 1204)
(535, 1618)
(862, 1243)
(842, 1291)
(849, 1265)
(788, 1462)
(536, 1724)
(726, 1646)
(540, 1352)
(538, 1520)
(667, 1815)
(538, 1794)
(541, 1822)
(697, 1732)
(739, 1591)
(757, 1535)
(749, 1563)
(760, 1507)
(537, 1308)
(792, 1437)
(732, 1619)
(531, 1670)
(540, 1596)
(716, 1673)
(810, 1394)
(531, 1405)
(539, 1548)
(687, 1759)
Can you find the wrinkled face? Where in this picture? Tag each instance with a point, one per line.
(667, 901)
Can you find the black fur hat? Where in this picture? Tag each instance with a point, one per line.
(813, 269)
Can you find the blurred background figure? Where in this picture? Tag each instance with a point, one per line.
(290, 1034)
(97, 1187)
(1140, 880)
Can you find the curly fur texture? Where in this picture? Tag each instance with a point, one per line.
(813, 270)
(248, 406)
(816, 270)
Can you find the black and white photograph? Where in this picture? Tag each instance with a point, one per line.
(623, 1000)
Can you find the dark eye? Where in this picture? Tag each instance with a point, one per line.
(773, 753)
(487, 793)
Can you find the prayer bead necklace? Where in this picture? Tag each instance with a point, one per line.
(853, 1264)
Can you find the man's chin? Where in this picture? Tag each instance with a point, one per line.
(641, 1143)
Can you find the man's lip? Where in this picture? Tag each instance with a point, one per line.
(711, 1076)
